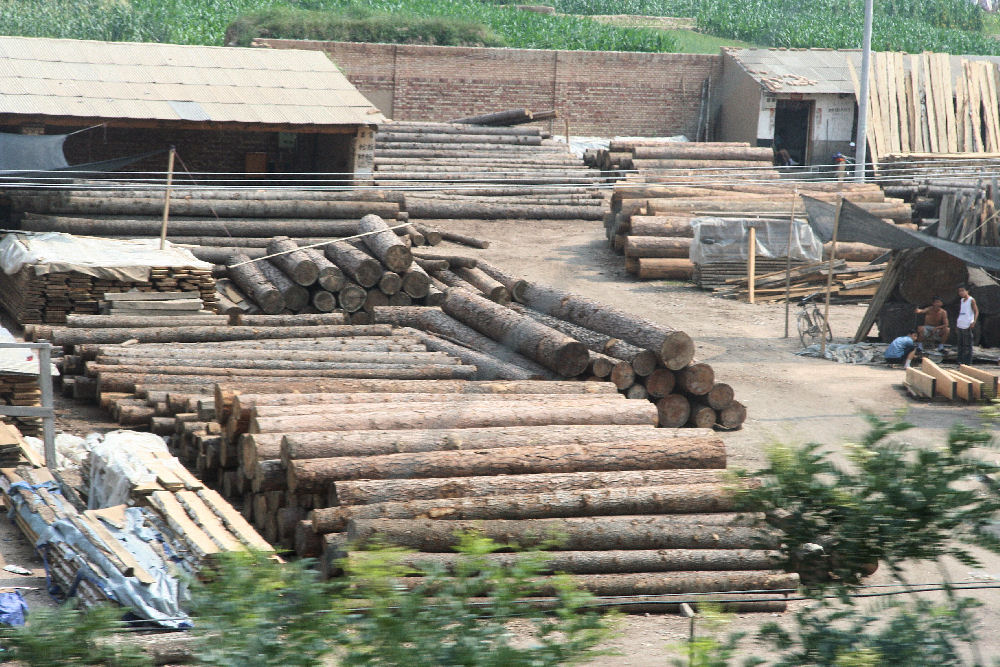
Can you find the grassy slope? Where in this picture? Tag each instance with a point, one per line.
(689, 41)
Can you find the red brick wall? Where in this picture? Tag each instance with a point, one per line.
(602, 93)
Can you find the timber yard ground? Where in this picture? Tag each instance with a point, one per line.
(790, 399)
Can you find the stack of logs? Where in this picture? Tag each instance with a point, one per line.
(556, 334)
(638, 510)
(663, 157)
(650, 223)
(470, 172)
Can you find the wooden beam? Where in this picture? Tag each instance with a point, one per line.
(920, 383)
(991, 381)
(975, 386)
(945, 383)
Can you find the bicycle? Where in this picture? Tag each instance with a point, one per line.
(811, 323)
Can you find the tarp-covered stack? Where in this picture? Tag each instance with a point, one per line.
(46, 277)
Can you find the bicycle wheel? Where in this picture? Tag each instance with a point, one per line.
(807, 330)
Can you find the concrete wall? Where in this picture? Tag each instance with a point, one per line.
(601, 93)
(740, 100)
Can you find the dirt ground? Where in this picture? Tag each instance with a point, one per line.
(790, 399)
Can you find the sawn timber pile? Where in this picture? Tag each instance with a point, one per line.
(634, 510)
(568, 336)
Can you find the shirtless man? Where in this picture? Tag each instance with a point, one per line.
(935, 327)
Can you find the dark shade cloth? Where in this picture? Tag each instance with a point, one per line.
(859, 226)
(32, 152)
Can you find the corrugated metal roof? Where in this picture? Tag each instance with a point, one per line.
(65, 77)
(813, 71)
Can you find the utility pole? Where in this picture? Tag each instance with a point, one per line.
(861, 139)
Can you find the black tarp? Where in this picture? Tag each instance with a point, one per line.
(859, 226)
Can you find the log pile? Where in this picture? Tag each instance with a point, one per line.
(657, 157)
(52, 297)
(565, 336)
(650, 222)
(639, 510)
(473, 172)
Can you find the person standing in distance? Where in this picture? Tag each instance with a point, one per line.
(968, 313)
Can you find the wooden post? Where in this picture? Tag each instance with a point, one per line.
(569, 149)
(829, 274)
(166, 198)
(751, 264)
(788, 260)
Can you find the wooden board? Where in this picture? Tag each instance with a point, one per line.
(916, 108)
(177, 518)
(233, 520)
(208, 520)
(944, 383)
(990, 380)
(116, 547)
(963, 386)
(887, 87)
(920, 383)
(874, 149)
(902, 102)
(975, 386)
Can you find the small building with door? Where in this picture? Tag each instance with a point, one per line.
(802, 100)
(226, 110)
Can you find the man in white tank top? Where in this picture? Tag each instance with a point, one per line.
(968, 313)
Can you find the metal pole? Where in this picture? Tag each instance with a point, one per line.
(48, 422)
(829, 276)
(860, 139)
(166, 198)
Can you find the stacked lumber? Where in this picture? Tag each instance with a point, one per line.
(650, 222)
(22, 390)
(560, 335)
(850, 283)
(15, 450)
(171, 305)
(50, 298)
(918, 106)
(956, 208)
(640, 510)
(472, 172)
(966, 384)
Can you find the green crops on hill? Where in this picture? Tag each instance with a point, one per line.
(418, 21)
(954, 26)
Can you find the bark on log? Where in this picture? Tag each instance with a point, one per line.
(659, 268)
(400, 299)
(329, 277)
(733, 415)
(604, 562)
(362, 268)
(431, 235)
(674, 348)
(672, 499)
(254, 448)
(673, 410)
(720, 531)
(492, 289)
(367, 491)
(453, 260)
(142, 321)
(515, 286)
(304, 320)
(704, 152)
(296, 297)
(432, 209)
(307, 543)
(248, 208)
(550, 348)
(320, 445)
(657, 246)
(720, 396)
(929, 272)
(416, 282)
(854, 252)
(290, 369)
(269, 475)
(255, 284)
(464, 239)
(697, 379)
(68, 336)
(295, 262)
(487, 366)
(314, 475)
(385, 244)
(643, 361)
(651, 225)
(501, 118)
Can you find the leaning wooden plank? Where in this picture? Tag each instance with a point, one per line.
(233, 520)
(975, 385)
(948, 95)
(945, 383)
(902, 102)
(916, 113)
(990, 381)
(874, 149)
(132, 565)
(887, 88)
(208, 520)
(964, 386)
(930, 102)
(921, 383)
(177, 518)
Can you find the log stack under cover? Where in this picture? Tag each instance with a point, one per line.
(634, 510)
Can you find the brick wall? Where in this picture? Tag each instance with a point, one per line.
(602, 93)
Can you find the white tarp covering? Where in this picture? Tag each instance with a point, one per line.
(728, 240)
(114, 259)
(19, 360)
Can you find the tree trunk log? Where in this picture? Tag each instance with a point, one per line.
(254, 448)
(658, 268)
(672, 499)
(247, 208)
(142, 321)
(675, 348)
(452, 260)
(68, 336)
(305, 320)
(296, 263)
(255, 284)
(385, 244)
(296, 297)
(705, 151)
(515, 286)
(929, 272)
(308, 544)
(550, 348)
(660, 383)
(651, 225)
(416, 282)
(314, 475)
(673, 410)
(657, 246)
(431, 209)
(390, 283)
(323, 301)
(328, 275)
(623, 375)
(733, 415)
(720, 396)
(487, 367)
(577, 534)
(697, 379)
(702, 416)
(357, 264)
(321, 445)
(367, 491)
(351, 297)
(308, 369)
(490, 288)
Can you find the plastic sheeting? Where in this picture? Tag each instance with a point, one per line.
(728, 240)
(859, 226)
(116, 465)
(114, 259)
(32, 152)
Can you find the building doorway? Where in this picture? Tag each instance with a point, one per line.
(792, 125)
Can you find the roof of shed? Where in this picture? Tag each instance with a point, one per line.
(812, 71)
(140, 81)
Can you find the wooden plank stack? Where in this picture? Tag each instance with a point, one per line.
(642, 510)
(852, 283)
(650, 222)
(966, 384)
(22, 390)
